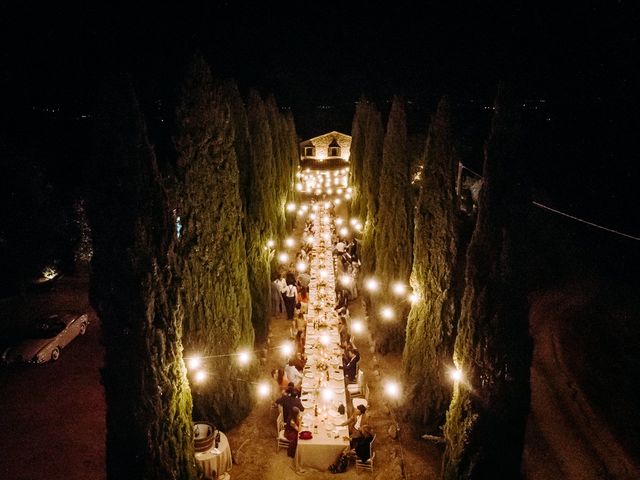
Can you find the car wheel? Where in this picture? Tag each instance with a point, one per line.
(83, 328)
(55, 354)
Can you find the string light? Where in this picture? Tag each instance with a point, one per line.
(346, 280)
(456, 374)
(200, 376)
(291, 207)
(194, 363)
(399, 288)
(287, 349)
(387, 313)
(244, 357)
(283, 257)
(270, 243)
(357, 326)
(372, 285)
(414, 297)
(392, 389)
(301, 267)
(338, 221)
(344, 231)
(264, 389)
(289, 242)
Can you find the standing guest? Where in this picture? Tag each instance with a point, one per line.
(281, 284)
(303, 298)
(351, 367)
(289, 294)
(288, 401)
(291, 429)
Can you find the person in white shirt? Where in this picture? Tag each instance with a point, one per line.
(293, 374)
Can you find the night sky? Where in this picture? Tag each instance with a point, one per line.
(582, 60)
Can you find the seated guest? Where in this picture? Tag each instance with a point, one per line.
(288, 401)
(293, 374)
(280, 378)
(343, 330)
(358, 424)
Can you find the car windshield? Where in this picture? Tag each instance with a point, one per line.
(48, 329)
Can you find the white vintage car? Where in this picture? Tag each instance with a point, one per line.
(48, 338)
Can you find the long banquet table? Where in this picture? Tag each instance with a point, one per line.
(323, 387)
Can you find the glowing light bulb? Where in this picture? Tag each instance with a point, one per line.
(287, 349)
(347, 196)
(312, 216)
(327, 204)
(299, 187)
(357, 326)
(264, 389)
(200, 376)
(289, 242)
(283, 257)
(349, 190)
(194, 363)
(414, 297)
(326, 236)
(392, 389)
(344, 231)
(323, 274)
(386, 313)
(345, 280)
(339, 221)
(315, 207)
(327, 394)
(358, 226)
(324, 339)
(337, 201)
(304, 207)
(372, 285)
(270, 243)
(399, 288)
(339, 191)
(301, 267)
(329, 191)
(244, 357)
(291, 207)
(456, 374)
(353, 221)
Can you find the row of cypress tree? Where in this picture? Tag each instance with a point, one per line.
(180, 265)
(471, 311)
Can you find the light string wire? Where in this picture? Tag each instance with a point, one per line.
(567, 215)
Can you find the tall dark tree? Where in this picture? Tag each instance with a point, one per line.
(214, 293)
(371, 168)
(431, 325)
(280, 152)
(242, 142)
(393, 239)
(486, 420)
(293, 160)
(261, 213)
(149, 428)
(356, 158)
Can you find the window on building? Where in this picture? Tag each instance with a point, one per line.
(334, 151)
(308, 151)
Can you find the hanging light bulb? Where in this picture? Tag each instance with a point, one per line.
(399, 288)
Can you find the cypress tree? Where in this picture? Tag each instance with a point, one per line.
(431, 324)
(356, 158)
(293, 160)
(149, 430)
(261, 213)
(392, 234)
(242, 142)
(279, 149)
(371, 168)
(214, 292)
(486, 420)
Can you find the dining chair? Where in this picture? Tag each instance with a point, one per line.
(364, 400)
(281, 440)
(368, 465)
(357, 389)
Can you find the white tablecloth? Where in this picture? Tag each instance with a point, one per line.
(216, 460)
(323, 388)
